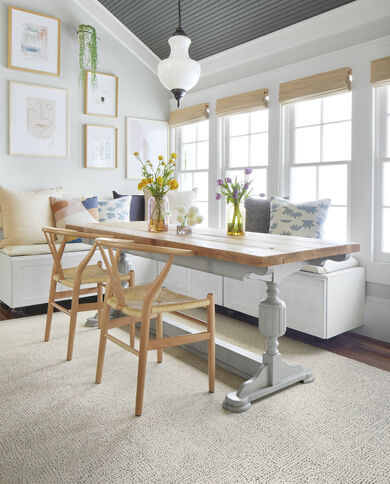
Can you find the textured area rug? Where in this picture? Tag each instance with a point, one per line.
(57, 426)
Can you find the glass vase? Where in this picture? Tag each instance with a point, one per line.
(158, 214)
(236, 215)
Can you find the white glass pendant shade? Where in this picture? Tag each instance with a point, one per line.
(179, 73)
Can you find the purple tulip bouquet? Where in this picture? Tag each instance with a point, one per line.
(235, 192)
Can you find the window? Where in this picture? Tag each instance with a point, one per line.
(318, 156)
(246, 146)
(193, 167)
(382, 155)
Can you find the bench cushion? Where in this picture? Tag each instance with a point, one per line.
(40, 249)
(331, 266)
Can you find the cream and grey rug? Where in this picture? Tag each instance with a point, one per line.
(57, 426)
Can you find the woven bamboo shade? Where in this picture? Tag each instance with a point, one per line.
(242, 103)
(380, 71)
(200, 112)
(319, 85)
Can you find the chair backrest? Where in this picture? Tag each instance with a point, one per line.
(51, 234)
(107, 248)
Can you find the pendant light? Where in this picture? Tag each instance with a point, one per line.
(179, 73)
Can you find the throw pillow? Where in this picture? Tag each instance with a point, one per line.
(24, 214)
(74, 211)
(186, 198)
(116, 210)
(301, 220)
(257, 215)
(137, 206)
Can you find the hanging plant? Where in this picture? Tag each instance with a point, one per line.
(88, 56)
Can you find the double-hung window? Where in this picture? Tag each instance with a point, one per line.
(382, 173)
(318, 155)
(246, 146)
(193, 164)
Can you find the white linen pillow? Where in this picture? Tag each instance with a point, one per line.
(186, 198)
(25, 213)
(116, 210)
(301, 220)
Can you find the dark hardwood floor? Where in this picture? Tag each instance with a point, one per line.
(360, 348)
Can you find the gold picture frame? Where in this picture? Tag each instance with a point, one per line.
(99, 129)
(35, 52)
(25, 140)
(88, 91)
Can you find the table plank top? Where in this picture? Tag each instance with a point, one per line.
(254, 249)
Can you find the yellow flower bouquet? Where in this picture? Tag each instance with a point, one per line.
(159, 182)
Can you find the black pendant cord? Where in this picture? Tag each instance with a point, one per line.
(179, 30)
(179, 9)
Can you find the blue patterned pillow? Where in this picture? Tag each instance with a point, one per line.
(301, 220)
(114, 210)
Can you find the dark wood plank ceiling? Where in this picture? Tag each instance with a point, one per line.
(212, 25)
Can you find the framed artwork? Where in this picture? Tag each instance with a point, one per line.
(33, 42)
(101, 146)
(38, 118)
(101, 100)
(147, 136)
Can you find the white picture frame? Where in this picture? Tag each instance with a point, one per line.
(150, 138)
(38, 121)
(101, 100)
(101, 146)
(34, 42)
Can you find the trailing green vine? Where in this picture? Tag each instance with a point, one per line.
(88, 56)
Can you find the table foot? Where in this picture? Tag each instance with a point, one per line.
(309, 378)
(274, 374)
(259, 386)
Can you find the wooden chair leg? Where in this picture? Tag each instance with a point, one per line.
(132, 334)
(211, 342)
(50, 308)
(72, 324)
(100, 304)
(159, 334)
(102, 344)
(143, 354)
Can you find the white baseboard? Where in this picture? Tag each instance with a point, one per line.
(376, 319)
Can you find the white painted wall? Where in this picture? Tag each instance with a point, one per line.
(140, 94)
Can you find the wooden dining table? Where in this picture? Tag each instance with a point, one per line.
(253, 256)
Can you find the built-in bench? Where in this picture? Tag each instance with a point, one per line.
(336, 292)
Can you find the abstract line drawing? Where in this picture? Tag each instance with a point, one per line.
(41, 118)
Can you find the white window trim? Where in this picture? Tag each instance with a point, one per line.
(176, 144)
(288, 157)
(380, 139)
(224, 165)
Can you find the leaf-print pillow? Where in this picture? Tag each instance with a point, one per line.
(114, 210)
(301, 220)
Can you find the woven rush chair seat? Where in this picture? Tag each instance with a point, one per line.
(166, 301)
(92, 274)
(141, 303)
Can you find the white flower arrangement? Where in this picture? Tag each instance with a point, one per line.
(189, 217)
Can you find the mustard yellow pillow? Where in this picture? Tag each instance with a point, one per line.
(25, 213)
